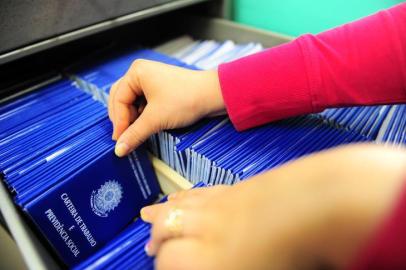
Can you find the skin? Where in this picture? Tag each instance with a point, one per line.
(178, 96)
(316, 211)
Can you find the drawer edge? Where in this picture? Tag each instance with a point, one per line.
(33, 253)
(222, 29)
(169, 180)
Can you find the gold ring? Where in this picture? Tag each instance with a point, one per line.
(174, 222)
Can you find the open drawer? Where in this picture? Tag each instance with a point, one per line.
(34, 253)
(154, 31)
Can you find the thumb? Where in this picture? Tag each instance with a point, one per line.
(137, 133)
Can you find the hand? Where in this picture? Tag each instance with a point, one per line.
(315, 211)
(175, 97)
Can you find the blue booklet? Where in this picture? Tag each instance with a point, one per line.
(126, 251)
(85, 211)
(211, 150)
(57, 159)
(97, 75)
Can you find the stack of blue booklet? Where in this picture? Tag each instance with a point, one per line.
(98, 75)
(57, 159)
(56, 153)
(393, 130)
(366, 120)
(126, 251)
(383, 124)
(211, 151)
(208, 54)
(216, 153)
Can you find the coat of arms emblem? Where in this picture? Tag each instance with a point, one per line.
(106, 198)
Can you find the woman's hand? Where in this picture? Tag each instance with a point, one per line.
(169, 97)
(315, 211)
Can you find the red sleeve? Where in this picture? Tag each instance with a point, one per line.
(363, 62)
(387, 249)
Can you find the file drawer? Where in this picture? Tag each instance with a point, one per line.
(33, 251)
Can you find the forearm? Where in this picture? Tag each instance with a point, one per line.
(339, 197)
(361, 63)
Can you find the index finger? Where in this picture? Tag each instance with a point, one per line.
(123, 111)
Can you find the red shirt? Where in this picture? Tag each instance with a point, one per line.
(360, 63)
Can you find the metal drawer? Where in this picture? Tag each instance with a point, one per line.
(33, 252)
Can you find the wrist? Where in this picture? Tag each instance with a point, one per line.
(213, 97)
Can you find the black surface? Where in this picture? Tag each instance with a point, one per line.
(23, 22)
(33, 69)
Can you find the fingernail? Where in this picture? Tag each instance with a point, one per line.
(171, 196)
(121, 149)
(147, 248)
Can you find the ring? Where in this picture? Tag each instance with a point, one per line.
(174, 222)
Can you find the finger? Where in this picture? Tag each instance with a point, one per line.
(128, 90)
(149, 213)
(139, 131)
(111, 108)
(110, 101)
(204, 191)
(109, 104)
(124, 117)
(182, 194)
(133, 114)
(182, 254)
(122, 104)
(187, 224)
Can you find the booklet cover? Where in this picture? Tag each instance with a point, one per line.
(126, 250)
(86, 210)
(57, 159)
